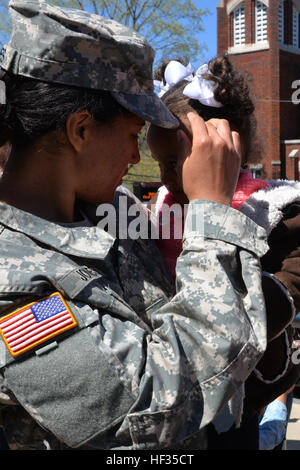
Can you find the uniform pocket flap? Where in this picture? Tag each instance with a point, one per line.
(72, 391)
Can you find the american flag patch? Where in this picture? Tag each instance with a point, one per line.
(35, 323)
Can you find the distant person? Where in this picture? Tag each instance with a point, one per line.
(273, 422)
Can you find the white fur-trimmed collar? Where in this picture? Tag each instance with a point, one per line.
(265, 207)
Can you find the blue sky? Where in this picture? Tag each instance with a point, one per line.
(209, 36)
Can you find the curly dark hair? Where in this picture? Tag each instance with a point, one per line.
(231, 89)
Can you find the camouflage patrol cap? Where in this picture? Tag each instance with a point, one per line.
(77, 48)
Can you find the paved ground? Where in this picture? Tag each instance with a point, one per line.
(293, 429)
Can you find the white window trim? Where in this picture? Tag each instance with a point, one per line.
(290, 142)
(289, 48)
(294, 153)
(256, 166)
(235, 3)
(254, 47)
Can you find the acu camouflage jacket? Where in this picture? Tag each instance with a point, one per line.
(148, 365)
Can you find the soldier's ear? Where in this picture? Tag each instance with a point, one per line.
(76, 126)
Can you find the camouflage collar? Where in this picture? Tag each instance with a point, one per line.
(84, 242)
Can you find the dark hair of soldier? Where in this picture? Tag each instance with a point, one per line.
(231, 89)
(35, 108)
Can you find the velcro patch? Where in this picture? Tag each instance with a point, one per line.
(35, 323)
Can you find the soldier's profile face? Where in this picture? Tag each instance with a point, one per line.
(110, 148)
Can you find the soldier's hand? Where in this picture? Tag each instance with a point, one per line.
(211, 163)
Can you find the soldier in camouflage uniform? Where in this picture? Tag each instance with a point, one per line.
(141, 363)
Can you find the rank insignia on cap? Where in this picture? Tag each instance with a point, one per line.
(35, 323)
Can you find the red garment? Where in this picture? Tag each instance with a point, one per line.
(172, 247)
(246, 186)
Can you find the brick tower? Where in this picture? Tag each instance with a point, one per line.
(263, 39)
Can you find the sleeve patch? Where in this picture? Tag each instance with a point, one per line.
(36, 323)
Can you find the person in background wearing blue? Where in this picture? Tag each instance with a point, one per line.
(273, 424)
(275, 417)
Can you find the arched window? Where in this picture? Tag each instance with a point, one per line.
(248, 25)
(261, 22)
(239, 29)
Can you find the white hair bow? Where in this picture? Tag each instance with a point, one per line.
(199, 88)
(174, 73)
(202, 89)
